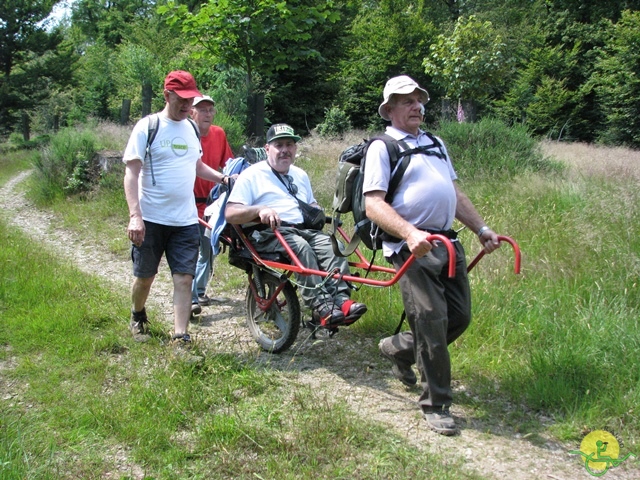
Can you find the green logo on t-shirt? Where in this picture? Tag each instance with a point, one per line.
(179, 146)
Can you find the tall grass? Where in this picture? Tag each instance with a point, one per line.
(562, 338)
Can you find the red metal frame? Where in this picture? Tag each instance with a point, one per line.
(516, 252)
(296, 266)
(363, 264)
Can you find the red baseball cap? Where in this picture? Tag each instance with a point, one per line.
(182, 83)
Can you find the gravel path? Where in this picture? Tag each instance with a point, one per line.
(345, 367)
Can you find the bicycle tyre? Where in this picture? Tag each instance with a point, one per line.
(276, 329)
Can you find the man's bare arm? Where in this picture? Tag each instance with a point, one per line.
(388, 219)
(135, 229)
(469, 216)
(238, 213)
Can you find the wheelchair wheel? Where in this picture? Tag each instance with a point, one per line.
(276, 329)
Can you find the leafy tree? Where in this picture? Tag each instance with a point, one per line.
(96, 81)
(388, 38)
(259, 36)
(590, 11)
(109, 21)
(617, 82)
(149, 50)
(468, 62)
(539, 97)
(32, 58)
(309, 86)
(579, 30)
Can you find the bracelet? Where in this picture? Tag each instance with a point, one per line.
(482, 230)
(224, 177)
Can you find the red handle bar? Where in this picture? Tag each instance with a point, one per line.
(299, 268)
(501, 238)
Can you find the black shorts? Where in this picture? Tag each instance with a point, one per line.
(179, 245)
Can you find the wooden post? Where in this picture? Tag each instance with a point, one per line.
(147, 95)
(125, 111)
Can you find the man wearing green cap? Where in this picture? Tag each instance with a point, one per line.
(267, 195)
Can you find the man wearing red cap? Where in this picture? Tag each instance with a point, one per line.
(163, 218)
(427, 200)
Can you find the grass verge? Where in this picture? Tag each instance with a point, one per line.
(82, 400)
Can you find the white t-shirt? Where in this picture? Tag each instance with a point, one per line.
(426, 195)
(174, 153)
(258, 185)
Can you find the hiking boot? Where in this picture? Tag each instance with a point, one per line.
(181, 343)
(352, 311)
(440, 420)
(139, 326)
(196, 309)
(401, 370)
(327, 316)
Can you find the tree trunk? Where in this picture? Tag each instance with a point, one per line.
(26, 128)
(447, 111)
(125, 111)
(256, 118)
(469, 107)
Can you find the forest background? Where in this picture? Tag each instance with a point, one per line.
(565, 69)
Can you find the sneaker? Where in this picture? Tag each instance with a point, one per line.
(327, 316)
(139, 326)
(196, 309)
(440, 421)
(352, 311)
(181, 343)
(401, 370)
(206, 300)
(181, 339)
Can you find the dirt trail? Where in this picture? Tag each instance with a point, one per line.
(344, 367)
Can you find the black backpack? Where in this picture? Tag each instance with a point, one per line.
(348, 196)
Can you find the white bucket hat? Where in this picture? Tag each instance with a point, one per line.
(400, 85)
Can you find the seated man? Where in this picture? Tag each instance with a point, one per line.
(265, 193)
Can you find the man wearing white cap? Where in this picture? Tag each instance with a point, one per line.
(427, 200)
(215, 153)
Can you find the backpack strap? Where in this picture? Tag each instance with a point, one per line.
(397, 172)
(152, 131)
(195, 127)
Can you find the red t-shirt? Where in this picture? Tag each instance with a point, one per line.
(215, 153)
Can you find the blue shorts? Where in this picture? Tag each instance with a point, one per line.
(180, 246)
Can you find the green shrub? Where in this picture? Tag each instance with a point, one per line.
(65, 165)
(336, 123)
(490, 148)
(234, 130)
